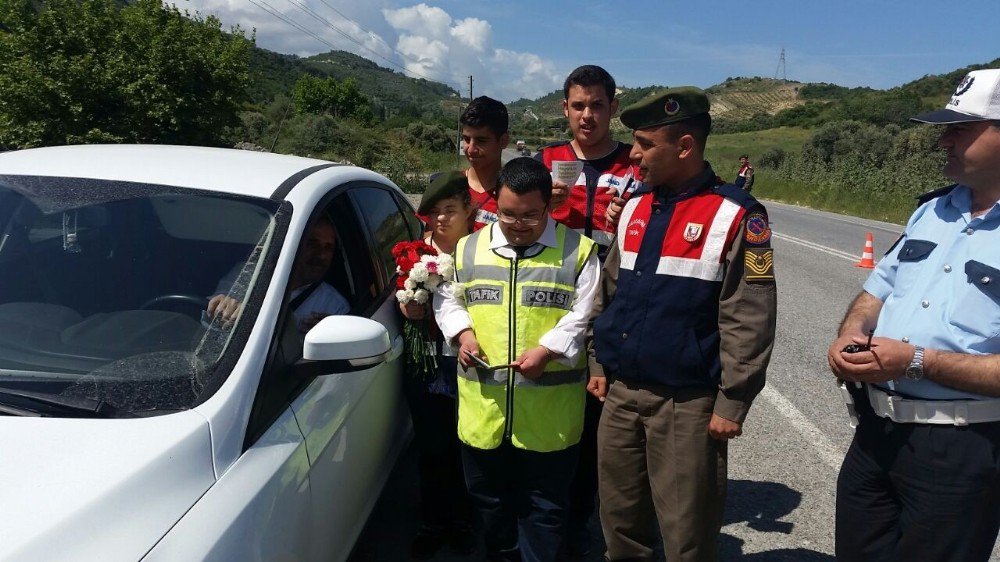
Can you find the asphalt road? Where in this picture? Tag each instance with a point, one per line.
(783, 469)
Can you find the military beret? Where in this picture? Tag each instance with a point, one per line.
(668, 106)
(443, 186)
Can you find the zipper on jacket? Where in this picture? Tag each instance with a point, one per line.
(588, 228)
(511, 347)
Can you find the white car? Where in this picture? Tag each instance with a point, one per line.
(132, 426)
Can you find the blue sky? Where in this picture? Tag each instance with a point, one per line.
(525, 49)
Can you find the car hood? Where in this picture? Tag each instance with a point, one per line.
(98, 489)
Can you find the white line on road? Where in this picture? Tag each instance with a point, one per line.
(829, 454)
(815, 246)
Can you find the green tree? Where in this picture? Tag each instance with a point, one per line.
(77, 71)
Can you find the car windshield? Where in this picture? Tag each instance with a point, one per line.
(104, 287)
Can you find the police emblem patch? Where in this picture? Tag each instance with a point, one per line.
(757, 230)
(758, 265)
(692, 232)
(964, 85)
(671, 108)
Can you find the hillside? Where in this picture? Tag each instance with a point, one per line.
(392, 91)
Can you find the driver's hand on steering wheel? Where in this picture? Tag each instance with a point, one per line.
(225, 307)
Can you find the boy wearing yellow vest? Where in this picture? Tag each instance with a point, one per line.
(522, 294)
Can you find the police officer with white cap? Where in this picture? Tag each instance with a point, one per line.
(921, 480)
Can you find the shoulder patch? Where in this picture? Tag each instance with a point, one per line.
(757, 230)
(737, 194)
(758, 265)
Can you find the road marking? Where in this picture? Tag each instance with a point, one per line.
(848, 219)
(829, 454)
(815, 246)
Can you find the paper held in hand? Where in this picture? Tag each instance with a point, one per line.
(567, 171)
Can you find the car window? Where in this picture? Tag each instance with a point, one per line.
(385, 222)
(104, 285)
(415, 224)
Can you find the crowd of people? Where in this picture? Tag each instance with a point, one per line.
(611, 332)
(604, 339)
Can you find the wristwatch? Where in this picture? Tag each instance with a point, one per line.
(915, 370)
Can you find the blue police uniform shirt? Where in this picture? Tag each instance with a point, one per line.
(940, 286)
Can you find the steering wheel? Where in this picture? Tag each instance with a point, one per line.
(187, 300)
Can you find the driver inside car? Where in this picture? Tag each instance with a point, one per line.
(312, 298)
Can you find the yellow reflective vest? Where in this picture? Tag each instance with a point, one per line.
(513, 303)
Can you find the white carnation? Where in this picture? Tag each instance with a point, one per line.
(446, 271)
(421, 296)
(427, 258)
(445, 260)
(409, 283)
(432, 282)
(419, 272)
(401, 296)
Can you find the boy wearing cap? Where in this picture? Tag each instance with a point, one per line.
(684, 335)
(921, 479)
(445, 507)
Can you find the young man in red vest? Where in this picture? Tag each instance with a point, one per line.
(589, 105)
(684, 334)
(484, 135)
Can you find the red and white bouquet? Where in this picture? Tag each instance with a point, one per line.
(421, 270)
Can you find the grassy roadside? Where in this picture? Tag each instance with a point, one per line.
(723, 151)
(894, 208)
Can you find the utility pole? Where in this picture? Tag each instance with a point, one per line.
(460, 110)
(781, 67)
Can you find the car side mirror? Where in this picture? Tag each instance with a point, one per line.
(343, 344)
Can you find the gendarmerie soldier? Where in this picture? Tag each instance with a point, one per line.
(684, 336)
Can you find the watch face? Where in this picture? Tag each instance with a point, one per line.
(914, 373)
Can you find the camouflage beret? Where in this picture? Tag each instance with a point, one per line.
(668, 106)
(443, 186)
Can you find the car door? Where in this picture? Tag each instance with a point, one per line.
(355, 424)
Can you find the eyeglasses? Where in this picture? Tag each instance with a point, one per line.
(507, 219)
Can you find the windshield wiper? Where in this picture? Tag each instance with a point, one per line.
(27, 403)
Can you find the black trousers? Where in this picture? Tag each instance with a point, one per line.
(521, 497)
(444, 500)
(918, 491)
(583, 491)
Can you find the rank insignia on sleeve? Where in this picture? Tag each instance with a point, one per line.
(758, 265)
(757, 230)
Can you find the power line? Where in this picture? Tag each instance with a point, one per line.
(348, 36)
(369, 32)
(263, 5)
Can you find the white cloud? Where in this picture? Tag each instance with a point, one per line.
(423, 39)
(474, 33)
(497, 72)
(422, 20)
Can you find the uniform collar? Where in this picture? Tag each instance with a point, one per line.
(548, 237)
(961, 199)
(706, 179)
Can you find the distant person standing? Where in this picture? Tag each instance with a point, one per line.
(589, 105)
(921, 480)
(744, 178)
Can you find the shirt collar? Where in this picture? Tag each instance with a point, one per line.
(548, 237)
(961, 199)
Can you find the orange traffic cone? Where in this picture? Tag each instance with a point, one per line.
(868, 256)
